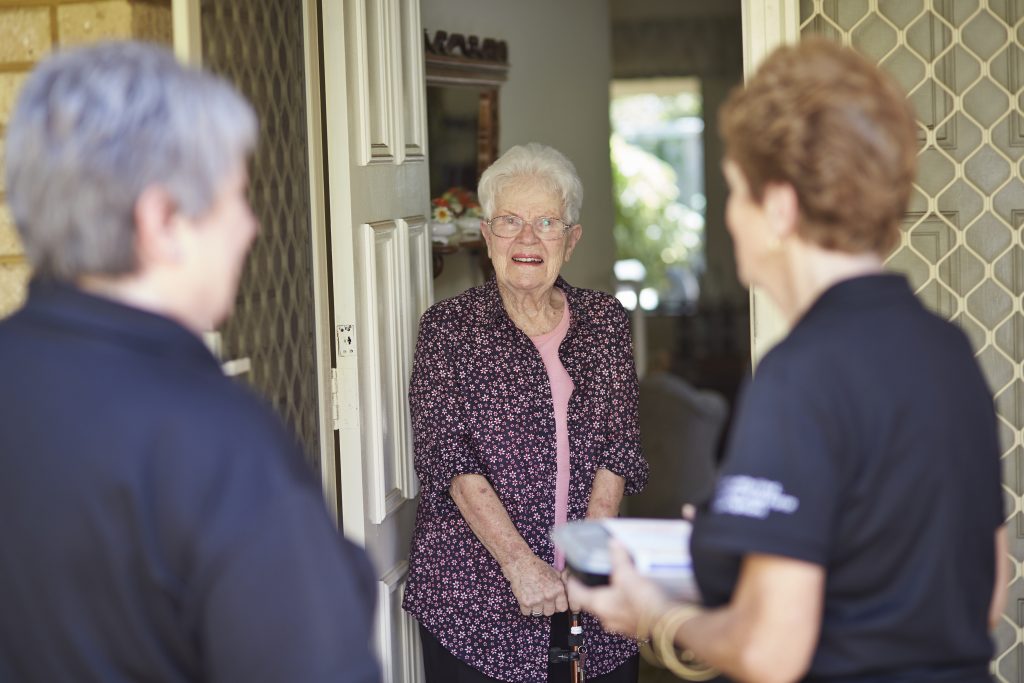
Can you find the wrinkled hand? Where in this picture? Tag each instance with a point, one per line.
(628, 604)
(537, 586)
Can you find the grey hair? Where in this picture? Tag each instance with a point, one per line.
(93, 128)
(533, 161)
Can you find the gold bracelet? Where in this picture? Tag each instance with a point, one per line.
(665, 628)
(663, 637)
(647, 646)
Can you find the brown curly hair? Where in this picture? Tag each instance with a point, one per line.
(827, 121)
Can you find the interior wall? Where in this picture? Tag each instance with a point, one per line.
(557, 94)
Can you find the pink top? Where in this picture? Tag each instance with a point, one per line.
(561, 390)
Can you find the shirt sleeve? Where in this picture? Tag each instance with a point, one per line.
(622, 453)
(779, 485)
(272, 591)
(442, 447)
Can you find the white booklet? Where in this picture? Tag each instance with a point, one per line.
(660, 549)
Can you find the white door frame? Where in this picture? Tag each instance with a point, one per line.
(326, 378)
(185, 27)
(766, 25)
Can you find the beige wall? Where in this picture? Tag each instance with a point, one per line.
(29, 29)
(557, 93)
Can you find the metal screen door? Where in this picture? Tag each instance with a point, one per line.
(259, 46)
(962, 64)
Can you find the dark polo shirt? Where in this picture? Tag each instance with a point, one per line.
(156, 520)
(866, 443)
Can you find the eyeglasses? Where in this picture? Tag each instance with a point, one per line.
(545, 227)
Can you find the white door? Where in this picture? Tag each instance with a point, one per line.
(378, 199)
(372, 273)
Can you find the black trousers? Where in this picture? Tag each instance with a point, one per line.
(442, 666)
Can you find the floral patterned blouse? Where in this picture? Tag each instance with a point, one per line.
(481, 404)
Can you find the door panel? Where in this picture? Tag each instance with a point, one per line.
(412, 95)
(389, 304)
(396, 632)
(370, 27)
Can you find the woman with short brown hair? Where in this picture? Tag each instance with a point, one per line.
(856, 528)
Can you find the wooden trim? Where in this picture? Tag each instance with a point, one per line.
(446, 70)
(320, 246)
(17, 67)
(12, 259)
(187, 31)
(766, 25)
(54, 4)
(480, 66)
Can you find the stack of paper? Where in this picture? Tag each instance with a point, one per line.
(660, 549)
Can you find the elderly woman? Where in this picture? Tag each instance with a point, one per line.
(524, 415)
(856, 530)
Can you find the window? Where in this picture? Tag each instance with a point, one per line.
(657, 153)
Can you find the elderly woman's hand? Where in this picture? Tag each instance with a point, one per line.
(537, 586)
(629, 605)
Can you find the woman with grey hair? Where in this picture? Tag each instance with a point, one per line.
(158, 521)
(524, 405)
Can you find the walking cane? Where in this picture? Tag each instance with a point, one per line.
(576, 655)
(578, 648)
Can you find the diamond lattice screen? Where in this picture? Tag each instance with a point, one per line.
(258, 45)
(962, 64)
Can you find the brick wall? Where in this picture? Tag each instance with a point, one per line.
(29, 29)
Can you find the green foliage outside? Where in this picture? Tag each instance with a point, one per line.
(650, 223)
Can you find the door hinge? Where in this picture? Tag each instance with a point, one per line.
(335, 409)
(344, 399)
(344, 378)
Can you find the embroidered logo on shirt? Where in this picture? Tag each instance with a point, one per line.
(752, 497)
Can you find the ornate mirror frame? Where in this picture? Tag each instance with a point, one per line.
(469, 63)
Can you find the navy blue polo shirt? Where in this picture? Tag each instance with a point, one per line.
(866, 443)
(157, 522)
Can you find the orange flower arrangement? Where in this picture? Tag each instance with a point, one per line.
(455, 202)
